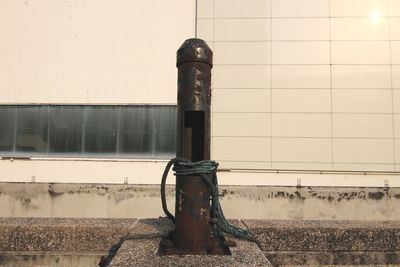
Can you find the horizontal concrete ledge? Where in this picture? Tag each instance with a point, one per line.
(90, 234)
(282, 241)
(337, 236)
(62, 234)
(347, 258)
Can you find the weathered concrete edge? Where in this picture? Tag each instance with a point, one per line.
(288, 235)
(85, 234)
(247, 202)
(334, 258)
(62, 234)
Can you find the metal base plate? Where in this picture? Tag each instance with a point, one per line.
(215, 246)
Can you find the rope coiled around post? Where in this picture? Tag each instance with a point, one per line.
(205, 169)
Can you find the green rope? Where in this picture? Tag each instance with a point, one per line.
(204, 169)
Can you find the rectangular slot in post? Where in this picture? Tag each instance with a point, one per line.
(194, 132)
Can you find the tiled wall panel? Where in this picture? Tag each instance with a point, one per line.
(361, 76)
(241, 148)
(394, 7)
(363, 151)
(397, 151)
(373, 167)
(242, 8)
(252, 165)
(301, 166)
(242, 76)
(241, 100)
(395, 52)
(395, 28)
(397, 126)
(359, 29)
(357, 8)
(300, 52)
(301, 125)
(361, 101)
(205, 29)
(300, 8)
(242, 124)
(205, 9)
(303, 100)
(360, 52)
(300, 76)
(292, 29)
(317, 150)
(242, 29)
(396, 101)
(362, 125)
(258, 53)
(396, 76)
(305, 84)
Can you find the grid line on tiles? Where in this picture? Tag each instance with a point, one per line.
(195, 17)
(311, 64)
(308, 162)
(303, 17)
(307, 112)
(212, 102)
(302, 41)
(304, 137)
(303, 88)
(213, 24)
(330, 80)
(279, 88)
(358, 88)
(391, 85)
(270, 85)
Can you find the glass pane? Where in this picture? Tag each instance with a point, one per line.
(7, 123)
(136, 130)
(101, 129)
(66, 129)
(32, 129)
(165, 120)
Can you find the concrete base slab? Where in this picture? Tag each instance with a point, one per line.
(144, 252)
(50, 258)
(329, 236)
(282, 258)
(62, 234)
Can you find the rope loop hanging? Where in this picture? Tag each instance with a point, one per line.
(207, 170)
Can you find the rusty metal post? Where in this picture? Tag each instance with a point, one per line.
(192, 208)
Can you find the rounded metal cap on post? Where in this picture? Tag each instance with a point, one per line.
(194, 50)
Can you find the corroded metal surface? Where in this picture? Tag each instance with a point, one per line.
(192, 206)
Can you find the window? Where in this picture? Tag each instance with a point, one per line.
(145, 131)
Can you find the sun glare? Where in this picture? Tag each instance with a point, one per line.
(375, 17)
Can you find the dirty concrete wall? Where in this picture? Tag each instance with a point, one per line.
(245, 202)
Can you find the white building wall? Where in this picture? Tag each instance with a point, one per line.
(305, 84)
(90, 51)
(298, 85)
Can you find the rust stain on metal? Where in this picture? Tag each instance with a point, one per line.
(180, 200)
(192, 202)
(194, 62)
